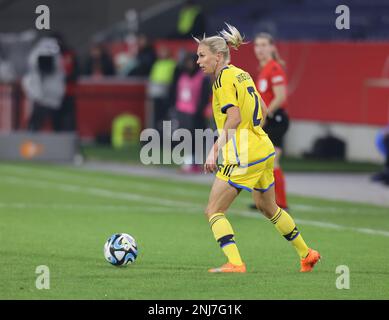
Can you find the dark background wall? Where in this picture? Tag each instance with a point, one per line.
(80, 20)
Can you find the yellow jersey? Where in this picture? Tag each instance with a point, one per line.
(250, 144)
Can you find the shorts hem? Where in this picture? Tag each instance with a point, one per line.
(238, 186)
(264, 190)
(258, 161)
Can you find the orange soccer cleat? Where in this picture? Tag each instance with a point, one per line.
(309, 262)
(229, 267)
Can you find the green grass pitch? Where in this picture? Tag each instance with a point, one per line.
(61, 217)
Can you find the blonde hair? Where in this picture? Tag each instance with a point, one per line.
(275, 55)
(220, 43)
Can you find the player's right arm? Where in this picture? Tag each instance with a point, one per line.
(232, 122)
(228, 101)
(279, 98)
(278, 83)
(264, 112)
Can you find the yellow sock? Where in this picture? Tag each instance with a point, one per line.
(286, 226)
(224, 234)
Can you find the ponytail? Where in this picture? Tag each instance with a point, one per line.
(232, 36)
(220, 43)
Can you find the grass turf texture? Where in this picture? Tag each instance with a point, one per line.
(61, 217)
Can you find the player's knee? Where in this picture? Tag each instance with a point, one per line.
(208, 211)
(268, 211)
(259, 206)
(211, 210)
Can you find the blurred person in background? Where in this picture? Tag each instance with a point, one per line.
(44, 84)
(191, 21)
(99, 62)
(383, 145)
(272, 86)
(15, 48)
(145, 58)
(7, 72)
(67, 111)
(190, 95)
(161, 77)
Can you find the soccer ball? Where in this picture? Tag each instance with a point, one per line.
(120, 249)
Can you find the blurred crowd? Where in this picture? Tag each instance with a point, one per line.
(48, 69)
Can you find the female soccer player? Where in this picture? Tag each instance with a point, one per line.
(248, 154)
(272, 85)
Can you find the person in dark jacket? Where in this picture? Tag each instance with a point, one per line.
(190, 95)
(144, 59)
(99, 63)
(71, 67)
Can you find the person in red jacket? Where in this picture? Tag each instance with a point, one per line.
(272, 85)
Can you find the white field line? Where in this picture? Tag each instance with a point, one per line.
(144, 186)
(95, 192)
(64, 206)
(185, 206)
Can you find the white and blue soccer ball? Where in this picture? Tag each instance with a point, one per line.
(120, 249)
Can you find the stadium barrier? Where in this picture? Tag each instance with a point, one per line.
(98, 103)
(26, 146)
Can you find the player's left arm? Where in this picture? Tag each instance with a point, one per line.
(232, 122)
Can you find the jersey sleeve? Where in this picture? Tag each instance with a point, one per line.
(277, 76)
(226, 91)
